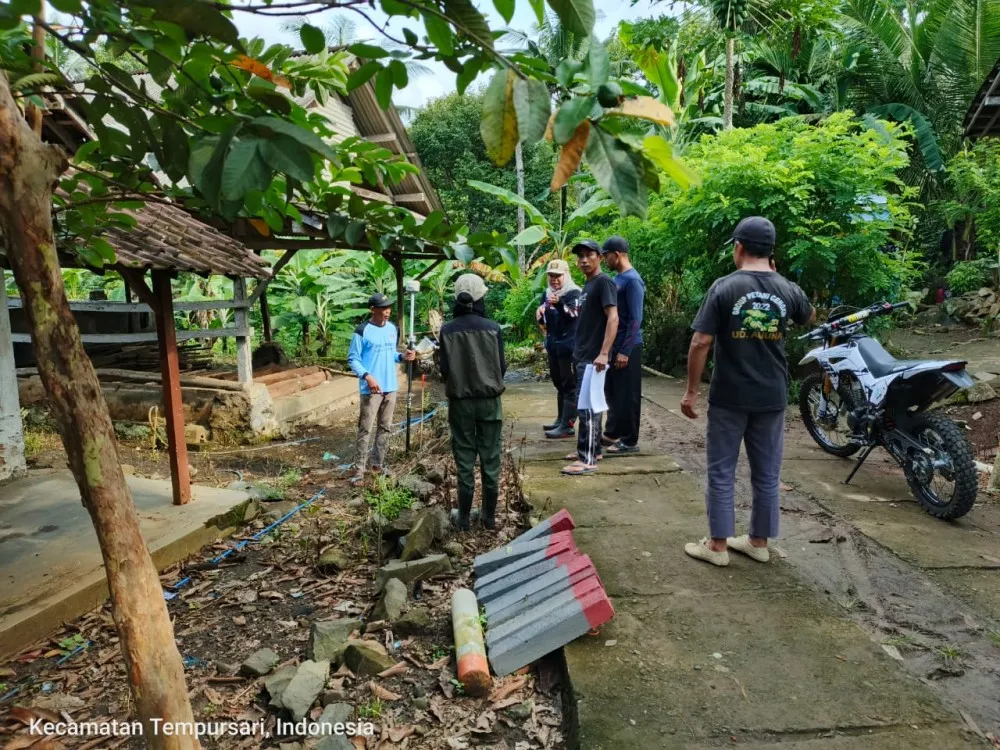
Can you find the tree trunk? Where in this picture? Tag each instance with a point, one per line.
(28, 171)
(519, 164)
(727, 112)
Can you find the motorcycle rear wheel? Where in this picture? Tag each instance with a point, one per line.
(951, 448)
(821, 429)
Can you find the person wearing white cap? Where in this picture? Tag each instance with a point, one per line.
(558, 315)
(472, 363)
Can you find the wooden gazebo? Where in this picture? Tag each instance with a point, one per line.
(983, 117)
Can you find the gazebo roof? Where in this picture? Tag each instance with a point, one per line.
(983, 117)
(168, 238)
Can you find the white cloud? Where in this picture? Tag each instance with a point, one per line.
(441, 81)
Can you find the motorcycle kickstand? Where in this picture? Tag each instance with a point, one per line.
(857, 466)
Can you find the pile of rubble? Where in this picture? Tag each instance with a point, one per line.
(974, 308)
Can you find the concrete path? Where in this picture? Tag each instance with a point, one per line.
(51, 569)
(702, 657)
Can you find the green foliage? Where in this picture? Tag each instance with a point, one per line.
(974, 179)
(518, 311)
(387, 498)
(446, 135)
(966, 276)
(831, 190)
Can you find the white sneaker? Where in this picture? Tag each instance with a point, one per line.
(742, 544)
(701, 551)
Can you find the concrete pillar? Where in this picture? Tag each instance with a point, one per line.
(11, 436)
(244, 367)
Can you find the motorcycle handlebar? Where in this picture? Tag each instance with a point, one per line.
(879, 308)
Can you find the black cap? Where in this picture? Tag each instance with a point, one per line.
(755, 229)
(614, 244)
(586, 245)
(379, 300)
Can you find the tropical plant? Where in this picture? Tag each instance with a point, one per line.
(974, 204)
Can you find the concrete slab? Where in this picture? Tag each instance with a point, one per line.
(551, 463)
(892, 739)
(51, 568)
(980, 589)
(880, 505)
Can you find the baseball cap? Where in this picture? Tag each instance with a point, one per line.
(471, 284)
(586, 245)
(614, 244)
(379, 300)
(557, 266)
(755, 229)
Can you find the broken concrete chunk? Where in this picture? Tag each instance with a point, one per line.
(408, 572)
(260, 663)
(335, 713)
(980, 393)
(454, 549)
(415, 622)
(393, 599)
(277, 682)
(332, 561)
(417, 486)
(365, 660)
(328, 638)
(305, 687)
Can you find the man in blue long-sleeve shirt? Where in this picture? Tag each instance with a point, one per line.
(373, 357)
(623, 387)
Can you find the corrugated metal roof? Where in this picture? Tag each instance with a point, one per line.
(983, 117)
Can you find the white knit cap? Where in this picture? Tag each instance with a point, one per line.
(471, 284)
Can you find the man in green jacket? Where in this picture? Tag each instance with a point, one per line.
(472, 364)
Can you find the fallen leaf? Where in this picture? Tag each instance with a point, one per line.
(447, 687)
(383, 694)
(398, 734)
(612, 642)
(7, 672)
(59, 702)
(241, 620)
(440, 663)
(506, 703)
(275, 595)
(395, 669)
(990, 558)
(359, 743)
(21, 742)
(457, 743)
(892, 651)
(214, 696)
(247, 596)
(435, 708)
(485, 721)
(504, 689)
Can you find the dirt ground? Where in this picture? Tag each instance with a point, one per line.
(267, 595)
(887, 569)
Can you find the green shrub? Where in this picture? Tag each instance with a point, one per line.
(966, 276)
(518, 311)
(832, 190)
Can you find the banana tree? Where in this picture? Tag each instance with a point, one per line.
(548, 240)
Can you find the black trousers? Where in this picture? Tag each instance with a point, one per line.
(564, 379)
(623, 391)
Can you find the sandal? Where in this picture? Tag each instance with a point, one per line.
(578, 469)
(619, 448)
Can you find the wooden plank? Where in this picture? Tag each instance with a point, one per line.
(98, 338)
(212, 304)
(371, 194)
(381, 138)
(108, 306)
(176, 447)
(296, 385)
(213, 333)
(11, 429)
(136, 280)
(277, 377)
(410, 198)
(188, 380)
(262, 287)
(244, 369)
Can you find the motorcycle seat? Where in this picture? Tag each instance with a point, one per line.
(880, 362)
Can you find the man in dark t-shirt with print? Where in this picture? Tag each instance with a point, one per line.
(747, 315)
(595, 333)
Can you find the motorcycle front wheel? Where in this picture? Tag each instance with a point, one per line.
(944, 482)
(827, 424)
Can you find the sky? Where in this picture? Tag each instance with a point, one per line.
(440, 81)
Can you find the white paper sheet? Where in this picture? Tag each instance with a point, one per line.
(592, 390)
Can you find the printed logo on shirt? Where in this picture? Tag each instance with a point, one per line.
(760, 316)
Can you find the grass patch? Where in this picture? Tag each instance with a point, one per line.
(34, 443)
(949, 653)
(278, 489)
(388, 498)
(370, 710)
(994, 635)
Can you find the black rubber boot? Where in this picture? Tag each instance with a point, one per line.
(561, 432)
(559, 418)
(489, 512)
(460, 515)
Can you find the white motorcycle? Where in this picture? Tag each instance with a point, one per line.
(865, 398)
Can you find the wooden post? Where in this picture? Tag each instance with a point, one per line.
(265, 317)
(11, 436)
(244, 368)
(170, 369)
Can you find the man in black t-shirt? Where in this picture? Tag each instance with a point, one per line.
(595, 333)
(746, 314)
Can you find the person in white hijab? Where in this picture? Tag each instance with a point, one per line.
(558, 317)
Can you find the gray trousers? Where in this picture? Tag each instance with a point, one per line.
(380, 406)
(763, 433)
